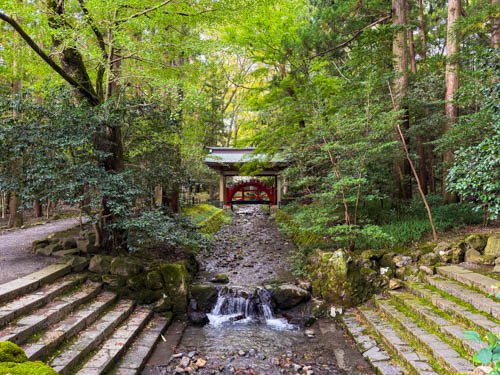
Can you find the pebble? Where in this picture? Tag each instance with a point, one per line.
(191, 354)
(184, 362)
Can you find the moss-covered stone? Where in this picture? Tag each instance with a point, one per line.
(100, 264)
(163, 305)
(493, 246)
(114, 280)
(387, 261)
(39, 244)
(205, 296)
(136, 282)
(26, 368)
(220, 278)
(154, 280)
(372, 254)
(10, 352)
(287, 296)
(146, 296)
(473, 256)
(476, 242)
(125, 266)
(429, 259)
(176, 280)
(338, 280)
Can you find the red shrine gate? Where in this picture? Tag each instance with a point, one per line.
(257, 190)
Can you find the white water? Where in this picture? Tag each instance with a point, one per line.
(237, 307)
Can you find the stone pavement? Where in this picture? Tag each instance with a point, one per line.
(16, 260)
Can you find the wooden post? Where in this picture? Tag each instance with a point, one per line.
(278, 191)
(222, 189)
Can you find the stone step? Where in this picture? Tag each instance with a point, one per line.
(463, 312)
(114, 347)
(89, 339)
(31, 282)
(476, 299)
(29, 302)
(451, 331)
(51, 313)
(69, 327)
(134, 360)
(470, 278)
(375, 354)
(443, 353)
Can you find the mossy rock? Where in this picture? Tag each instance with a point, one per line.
(100, 264)
(146, 296)
(220, 278)
(163, 305)
(388, 261)
(114, 280)
(176, 280)
(287, 296)
(154, 280)
(126, 267)
(205, 296)
(10, 352)
(429, 259)
(476, 242)
(367, 271)
(493, 246)
(39, 244)
(68, 243)
(26, 368)
(136, 282)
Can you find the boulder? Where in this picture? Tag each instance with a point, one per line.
(124, 266)
(473, 256)
(429, 259)
(457, 254)
(395, 284)
(387, 261)
(198, 318)
(63, 253)
(68, 243)
(476, 242)
(100, 264)
(176, 280)
(493, 246)
(287, 296)
(39, 244)
(77, 263)
(49, 249)
(205, 296)
(496, 269)
(86, 246)
(402, 260)
(372, 254)
(114, 281)
(10, 352)
(154, 280)
(136, 282)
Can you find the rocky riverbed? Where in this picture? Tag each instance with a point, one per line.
(251, 253)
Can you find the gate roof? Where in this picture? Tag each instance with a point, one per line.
(228, 160)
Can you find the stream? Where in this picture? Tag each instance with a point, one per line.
(245, 335)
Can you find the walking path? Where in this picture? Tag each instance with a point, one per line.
(16, 260)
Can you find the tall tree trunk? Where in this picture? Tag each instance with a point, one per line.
(37, 208)
(423, 41)
(15, 217)
(495, 28)
(452, 67)
(3, 202)
(402, 171)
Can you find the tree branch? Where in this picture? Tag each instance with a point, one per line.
(355, 36)
(143, 12)
(31, 43)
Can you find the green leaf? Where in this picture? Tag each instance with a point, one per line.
(472, 335)
(492, 339)
(483, 356)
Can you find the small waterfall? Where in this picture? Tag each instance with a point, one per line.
(237, 304)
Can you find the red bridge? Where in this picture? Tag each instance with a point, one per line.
(250, 192)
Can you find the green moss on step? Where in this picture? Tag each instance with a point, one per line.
(10, 352)
(26, 368)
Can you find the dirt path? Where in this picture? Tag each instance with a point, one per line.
(15, 258)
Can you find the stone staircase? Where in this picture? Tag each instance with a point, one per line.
(75, 326)
(420, 329)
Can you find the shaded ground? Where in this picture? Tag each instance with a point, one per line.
(249, 251)
(15, 258)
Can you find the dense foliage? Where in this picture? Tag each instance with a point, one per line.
(148, 85)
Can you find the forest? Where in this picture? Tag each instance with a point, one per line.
(388, 113)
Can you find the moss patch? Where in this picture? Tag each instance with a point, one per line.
(176, 280)
(26, 368)
(10, 352)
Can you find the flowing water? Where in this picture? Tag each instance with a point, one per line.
(245, 335)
